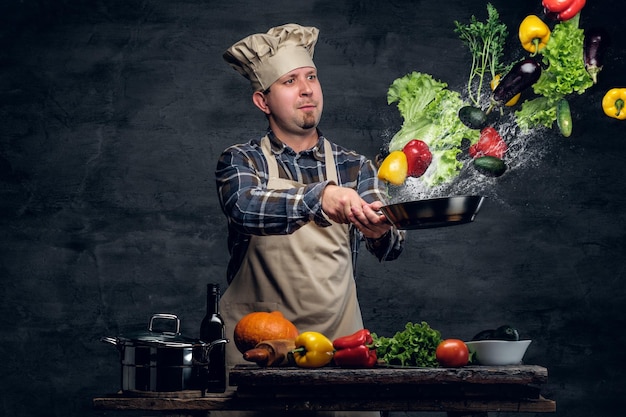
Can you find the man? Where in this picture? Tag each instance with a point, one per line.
(297, 204)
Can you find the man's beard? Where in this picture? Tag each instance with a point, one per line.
(309, 121)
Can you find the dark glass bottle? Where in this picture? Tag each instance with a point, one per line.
(211, 329)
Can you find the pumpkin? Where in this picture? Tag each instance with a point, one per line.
(260, 326)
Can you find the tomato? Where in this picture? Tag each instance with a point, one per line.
(452, 353)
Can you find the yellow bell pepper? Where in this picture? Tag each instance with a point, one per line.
(313, 350)
(613, 103)
(534, 34)
(394, 168)
(494, 83)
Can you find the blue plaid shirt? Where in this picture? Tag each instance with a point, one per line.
(253, 209)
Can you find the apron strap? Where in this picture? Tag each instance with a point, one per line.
(272, 166)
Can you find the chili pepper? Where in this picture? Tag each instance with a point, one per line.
(533, 34)
(313, 350)
(361, 337)
(394, 168)
(354, 351)
(356, 357)
(556, 6)
(574, 8)
(613, 103)
(489, 144)
(565, 9)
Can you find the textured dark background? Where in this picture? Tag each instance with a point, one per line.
(113, 114)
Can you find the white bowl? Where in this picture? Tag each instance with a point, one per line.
(498, 352)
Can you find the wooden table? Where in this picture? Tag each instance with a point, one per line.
(459, 391)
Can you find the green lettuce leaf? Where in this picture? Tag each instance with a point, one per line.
(430, 113)
(416, 345)
(566, 72)
(536, 112)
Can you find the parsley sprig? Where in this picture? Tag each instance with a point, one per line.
(486, 41)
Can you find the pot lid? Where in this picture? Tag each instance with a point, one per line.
(152, 337)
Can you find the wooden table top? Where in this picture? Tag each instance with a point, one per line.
(467, 389)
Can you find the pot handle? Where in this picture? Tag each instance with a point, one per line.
(165, 317)
(210, 346)
(112, 340)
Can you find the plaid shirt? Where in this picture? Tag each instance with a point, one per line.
(253, 209)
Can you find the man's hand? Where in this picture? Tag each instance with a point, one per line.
(344, 205)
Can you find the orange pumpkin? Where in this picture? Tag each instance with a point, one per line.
(259, 326)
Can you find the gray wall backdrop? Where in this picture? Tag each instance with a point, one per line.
(113, 114)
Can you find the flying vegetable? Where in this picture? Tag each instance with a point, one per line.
(613, 103)
(564, 9)
(533, 34)
(394, 168)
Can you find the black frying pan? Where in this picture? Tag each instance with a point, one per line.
(433, 212)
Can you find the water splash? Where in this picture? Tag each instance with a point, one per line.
(525, 150)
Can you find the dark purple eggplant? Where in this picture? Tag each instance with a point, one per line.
(521, 76)
(593, 51)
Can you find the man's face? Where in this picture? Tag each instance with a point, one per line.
(295, 100)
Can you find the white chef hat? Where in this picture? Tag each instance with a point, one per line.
(265, 57)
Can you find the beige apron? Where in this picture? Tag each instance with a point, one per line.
(306, 275)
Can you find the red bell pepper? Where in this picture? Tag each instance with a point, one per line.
(556, 6)
(418, 157)
(490, 143)
(564, 9)
(354, 351)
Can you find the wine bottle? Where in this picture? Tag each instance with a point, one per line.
(211, 329)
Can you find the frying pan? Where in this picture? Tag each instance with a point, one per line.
(433, 212)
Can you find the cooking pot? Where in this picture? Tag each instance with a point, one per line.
(433, 212)
(162, 361)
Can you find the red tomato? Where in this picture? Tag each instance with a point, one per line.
(452, 353)
(418, 157)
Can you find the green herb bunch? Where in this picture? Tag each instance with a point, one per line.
(414, 346)
(486, 41)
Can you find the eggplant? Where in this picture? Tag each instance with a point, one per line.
(593, 49)
(504, 332)
(521, 76)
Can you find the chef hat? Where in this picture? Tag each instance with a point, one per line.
(265, 57)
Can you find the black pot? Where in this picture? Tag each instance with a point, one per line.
(162, 361)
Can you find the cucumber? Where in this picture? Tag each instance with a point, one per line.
(490, 166)
(473, 117)
(564, 117)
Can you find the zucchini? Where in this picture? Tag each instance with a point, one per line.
(473, 117)
(490, 166)
(564, 117)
